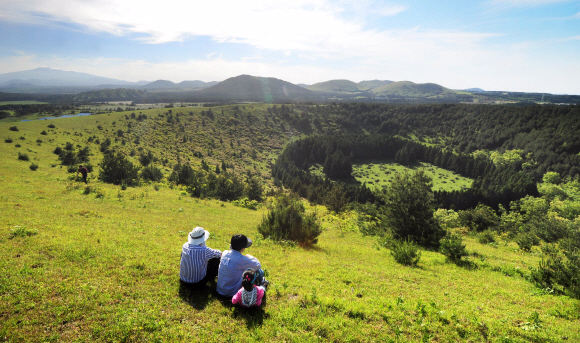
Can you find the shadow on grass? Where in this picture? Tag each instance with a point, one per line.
(197, 297)
(466, 264)
(254, 316)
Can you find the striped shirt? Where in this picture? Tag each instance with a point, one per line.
(194, 259)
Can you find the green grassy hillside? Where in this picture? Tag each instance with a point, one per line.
(102, 263)
(410, 89)
(338, 86)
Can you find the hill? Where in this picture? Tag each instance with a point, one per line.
(410, 89)
(374, 83)
(101, 263)
(337, 86)
(252, 88)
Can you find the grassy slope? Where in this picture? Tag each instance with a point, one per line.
(107, 270)
(410, 89)
(337, 86)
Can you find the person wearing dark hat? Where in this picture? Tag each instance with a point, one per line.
(199, 264)
(233, 264)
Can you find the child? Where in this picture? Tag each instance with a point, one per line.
(250, 294)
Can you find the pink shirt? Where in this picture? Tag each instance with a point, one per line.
(237, 299)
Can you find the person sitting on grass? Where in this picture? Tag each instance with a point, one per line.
(250, 295)
(84, 171)
(199, 263)
(233, 264)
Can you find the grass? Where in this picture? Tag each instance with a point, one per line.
(103, 265)
(22, 102)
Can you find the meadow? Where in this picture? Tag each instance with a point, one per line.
(100, 263)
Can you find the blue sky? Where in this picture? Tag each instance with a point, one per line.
(509, 45)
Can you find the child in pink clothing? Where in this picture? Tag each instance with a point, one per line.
(250, 294)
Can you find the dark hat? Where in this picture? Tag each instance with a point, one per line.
(239, 242)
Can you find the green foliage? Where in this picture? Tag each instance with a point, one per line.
(552, 177)
(452, 246)
(410, 207)
(57, 150)
(246, 203)
(145, 159)
(479, 219)
(33, 166)
(560, 270)
(151, 173)
(254, 189)
(526, 240)
(486, 237)
(117, 169)
(44, 133)
(23, 157)
(336, 199)
(51, 126)
(289, 221)
(405, 252)
(13, 128)
(8, 140)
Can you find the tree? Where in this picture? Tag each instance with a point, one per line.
(410, 207)
(254, 189)
(336, 199)
(117, 169)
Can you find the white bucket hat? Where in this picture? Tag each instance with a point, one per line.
(197, 236)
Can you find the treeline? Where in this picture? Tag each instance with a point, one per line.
(493, 184)
(547, 135)
(24, 110)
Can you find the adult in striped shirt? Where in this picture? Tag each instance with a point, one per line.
(199, 263)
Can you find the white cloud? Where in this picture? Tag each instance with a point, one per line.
(521, 3)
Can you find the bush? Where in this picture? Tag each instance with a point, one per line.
(452, 246)
(57, 150)
(526, 240)
(8, 140)
(33, 166)
(559, 271)
(336, 199)
(13, 128)
(288, 221)
(72, 169)
(151, 173)
(23, 157)
(39, 141)
(486, 237)
(117, 169)
(410, 207)
(18, 145)
(44, 133)
(405, 252)
(51, 126)
(479, 219)
(246, 203)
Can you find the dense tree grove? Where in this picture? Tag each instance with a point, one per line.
(493, 184)
(546, 135)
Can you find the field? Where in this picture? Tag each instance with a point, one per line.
(23, 102)
(102, 263)
(379, 174)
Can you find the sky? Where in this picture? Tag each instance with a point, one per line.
(501, 45)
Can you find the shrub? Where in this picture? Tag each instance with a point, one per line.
(22, 138)
(117, 169)
(72, 169)
(44, 133)
(18, 145)
(151, 173)
(33, 166)
(405, 252)
(336, 199)
(486, 237)
(410, 207)
(479, 219)
(288, 221)
(13, 128)
(23, 157)
(246, 203)
(57, 150)
(452, 246)
(51, 126)
(8, 140)
(559, 271)
(68, 146)
(526, 240)
(39, 141)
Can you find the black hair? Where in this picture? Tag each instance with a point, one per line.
(248, 279)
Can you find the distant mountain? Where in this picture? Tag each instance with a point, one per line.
(410, 89)
(18, 85)
(183, 85)
(118, 94)
(374, 83)
(252, 88)
(303, 85)
(47, 77)
(337, 86)
(474, 90)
